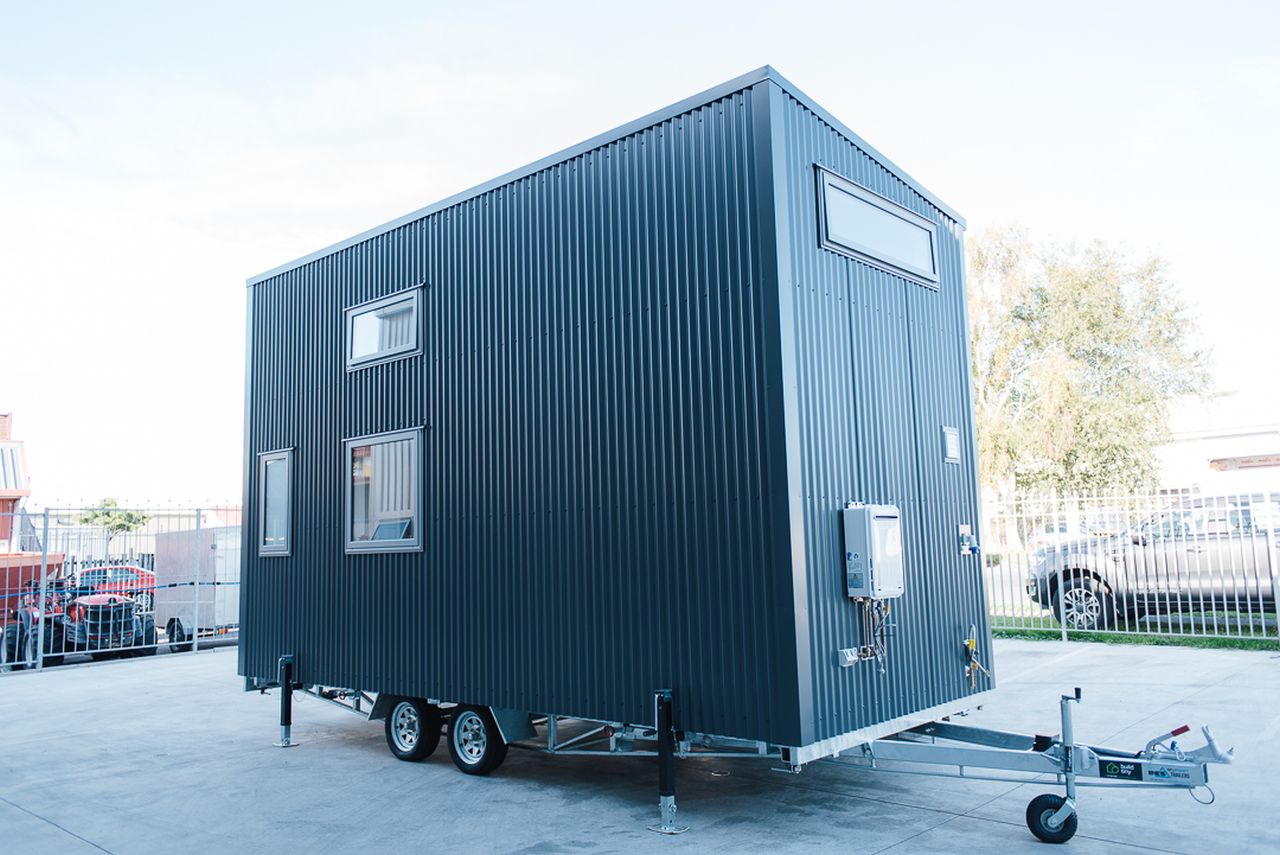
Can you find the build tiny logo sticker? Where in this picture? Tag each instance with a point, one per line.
(1121, 769)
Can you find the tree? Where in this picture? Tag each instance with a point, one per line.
(1077, 355)
(113, 519)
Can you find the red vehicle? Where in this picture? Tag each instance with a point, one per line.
(124, 579)
(103, 625)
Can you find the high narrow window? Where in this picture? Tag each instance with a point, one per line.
(857, 222)
(275, 476)
(382, 503)
(382, 329)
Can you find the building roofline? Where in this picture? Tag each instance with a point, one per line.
(1230, 432)
(744, 81)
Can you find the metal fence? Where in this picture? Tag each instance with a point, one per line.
(81, 584)
(1168, 564)
(91, 583)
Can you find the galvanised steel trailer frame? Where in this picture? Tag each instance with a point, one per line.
(936, 746)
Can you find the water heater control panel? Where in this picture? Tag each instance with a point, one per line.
(873, 567)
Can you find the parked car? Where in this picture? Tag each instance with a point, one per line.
(125, 579)
(1055, 532)
(1203, 554)
(102, 625)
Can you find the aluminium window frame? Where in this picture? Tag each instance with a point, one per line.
(365, 547)
(265, 457)
(412, 295)
(826, 180)
(951, 433)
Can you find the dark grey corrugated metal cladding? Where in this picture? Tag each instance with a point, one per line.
(645, 393)
(881, 364)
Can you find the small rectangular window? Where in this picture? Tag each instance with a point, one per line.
(950, 444)
(275, 476)
(859, 223)
(382, 329)
(382, 494)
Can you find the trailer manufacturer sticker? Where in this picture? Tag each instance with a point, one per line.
(1168, 774)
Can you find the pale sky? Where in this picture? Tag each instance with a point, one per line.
(155, 155)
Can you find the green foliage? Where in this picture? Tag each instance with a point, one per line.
(1220, 642)
(1077, 355)
(110, 516)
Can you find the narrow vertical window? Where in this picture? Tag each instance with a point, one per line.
(382, 329)
(275, 477)
(383, 500)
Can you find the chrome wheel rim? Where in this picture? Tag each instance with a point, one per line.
(1081, 608)
(406, 727)
(470, 737)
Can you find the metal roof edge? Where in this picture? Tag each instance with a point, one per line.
(683, 106)
(813, 106)
(738, 83)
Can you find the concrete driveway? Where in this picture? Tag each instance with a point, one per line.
(169, 755)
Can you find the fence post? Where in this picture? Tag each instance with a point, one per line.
(44, 592)
(195, 629)
(1062, 607)
(1271, 571)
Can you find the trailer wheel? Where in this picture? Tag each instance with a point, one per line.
(178, 642)
(412, 728)
(475, 744)
(1039, 811)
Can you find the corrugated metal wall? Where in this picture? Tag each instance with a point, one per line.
(603, 507)
(881, 363)
(645, 394)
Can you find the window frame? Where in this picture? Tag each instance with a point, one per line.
(265, 457)
(827, 180)
(950, 434)
(411, 295)
(364, 547)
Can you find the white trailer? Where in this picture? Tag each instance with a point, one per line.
(197, 584)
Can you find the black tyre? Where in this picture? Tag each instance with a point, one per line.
(1039, 812)
(1084, 604)
(32, 648)
(52, 642)
(146, 640)
(412, 728)
(10, 649)
(475, 744)
(178, 642)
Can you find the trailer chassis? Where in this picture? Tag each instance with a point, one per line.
(947, 749)
(1029, 759)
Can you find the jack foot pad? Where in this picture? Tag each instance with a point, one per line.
(667, 817)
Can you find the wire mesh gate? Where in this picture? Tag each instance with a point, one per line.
(1168, 564)
(99, 583)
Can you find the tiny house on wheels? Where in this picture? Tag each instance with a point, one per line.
(661, 444)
